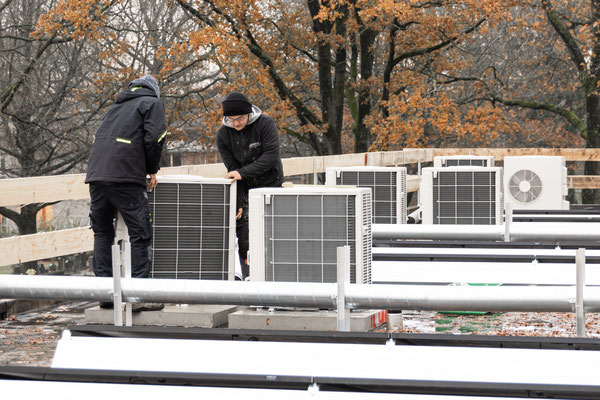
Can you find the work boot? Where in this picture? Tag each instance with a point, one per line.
(245, 269)
(107, 305)
(137, 307)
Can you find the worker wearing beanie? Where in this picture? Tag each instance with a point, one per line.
(249, 145)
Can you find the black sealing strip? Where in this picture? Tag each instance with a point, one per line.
(553, 219)
(516, 258)
(420, 339)
(303, 382)
(483, 244)
(558, 212)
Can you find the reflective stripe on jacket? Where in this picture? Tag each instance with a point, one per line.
(129, 142)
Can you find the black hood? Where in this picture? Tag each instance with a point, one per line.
(146, 81)
(134, 93)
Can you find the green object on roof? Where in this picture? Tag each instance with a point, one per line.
(471, 312)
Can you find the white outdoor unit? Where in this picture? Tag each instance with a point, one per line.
(295, 233)
(462, 195)
(536, 182)
(388, 189)
(193, 228)
(463, 161)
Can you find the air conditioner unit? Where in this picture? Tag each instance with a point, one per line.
(388, 189)
(463, 161)
(295, 233)
(193, 228)
(462, 195)
(536, 182)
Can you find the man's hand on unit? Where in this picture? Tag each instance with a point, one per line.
(152, 183)
(233, 175)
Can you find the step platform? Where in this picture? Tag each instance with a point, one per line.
(303, 320)
(192, 315)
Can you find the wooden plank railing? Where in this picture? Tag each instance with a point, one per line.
(500, 153)
(44, 245)
(20, 191)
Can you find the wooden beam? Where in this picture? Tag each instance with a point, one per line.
(412, 183)
(205, 170)
(40, 246)
(406, 156)
(309, 165)
(583, 182)
(579, 154)
(47, 189)
(20, 191)
(42, 189)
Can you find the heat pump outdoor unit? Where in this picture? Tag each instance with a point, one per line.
(295, 233)
(388, 189)
(463, 161)
(193, 228)
(536, 182)
(462, 195)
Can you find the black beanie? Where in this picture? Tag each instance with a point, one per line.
(236, 104)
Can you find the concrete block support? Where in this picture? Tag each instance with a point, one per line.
(10, 307)
(193, 315)
(321, 320)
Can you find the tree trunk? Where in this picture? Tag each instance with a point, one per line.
(339, 85)
(387, 73)
(591, 196)
(331, 87)
(592, 104)
(367, 58)
(26, 223)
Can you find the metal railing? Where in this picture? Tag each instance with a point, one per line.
(343, 295)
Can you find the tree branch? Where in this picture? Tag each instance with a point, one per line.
(570, 116)
(431, 49)
(565, 35)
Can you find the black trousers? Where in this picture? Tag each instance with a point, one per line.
(243, 236)
(131, 200)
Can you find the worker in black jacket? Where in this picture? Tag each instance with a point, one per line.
(249, 145)
(127, 147)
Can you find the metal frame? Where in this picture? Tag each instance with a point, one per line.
(441, 161)
(191, 179)
(362, 235)
(428, 202)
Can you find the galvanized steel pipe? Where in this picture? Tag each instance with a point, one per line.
(427, 232)
(470, 298)
(544, 231)
(170, 291)
(532, 231)
(407, 297)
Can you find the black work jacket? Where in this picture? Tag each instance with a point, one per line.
(129, 142)
(254, 153)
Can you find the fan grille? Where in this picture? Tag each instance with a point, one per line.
(384, 186)
(525, 186)
(303, 233)
(465, 197)
(191, 229)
